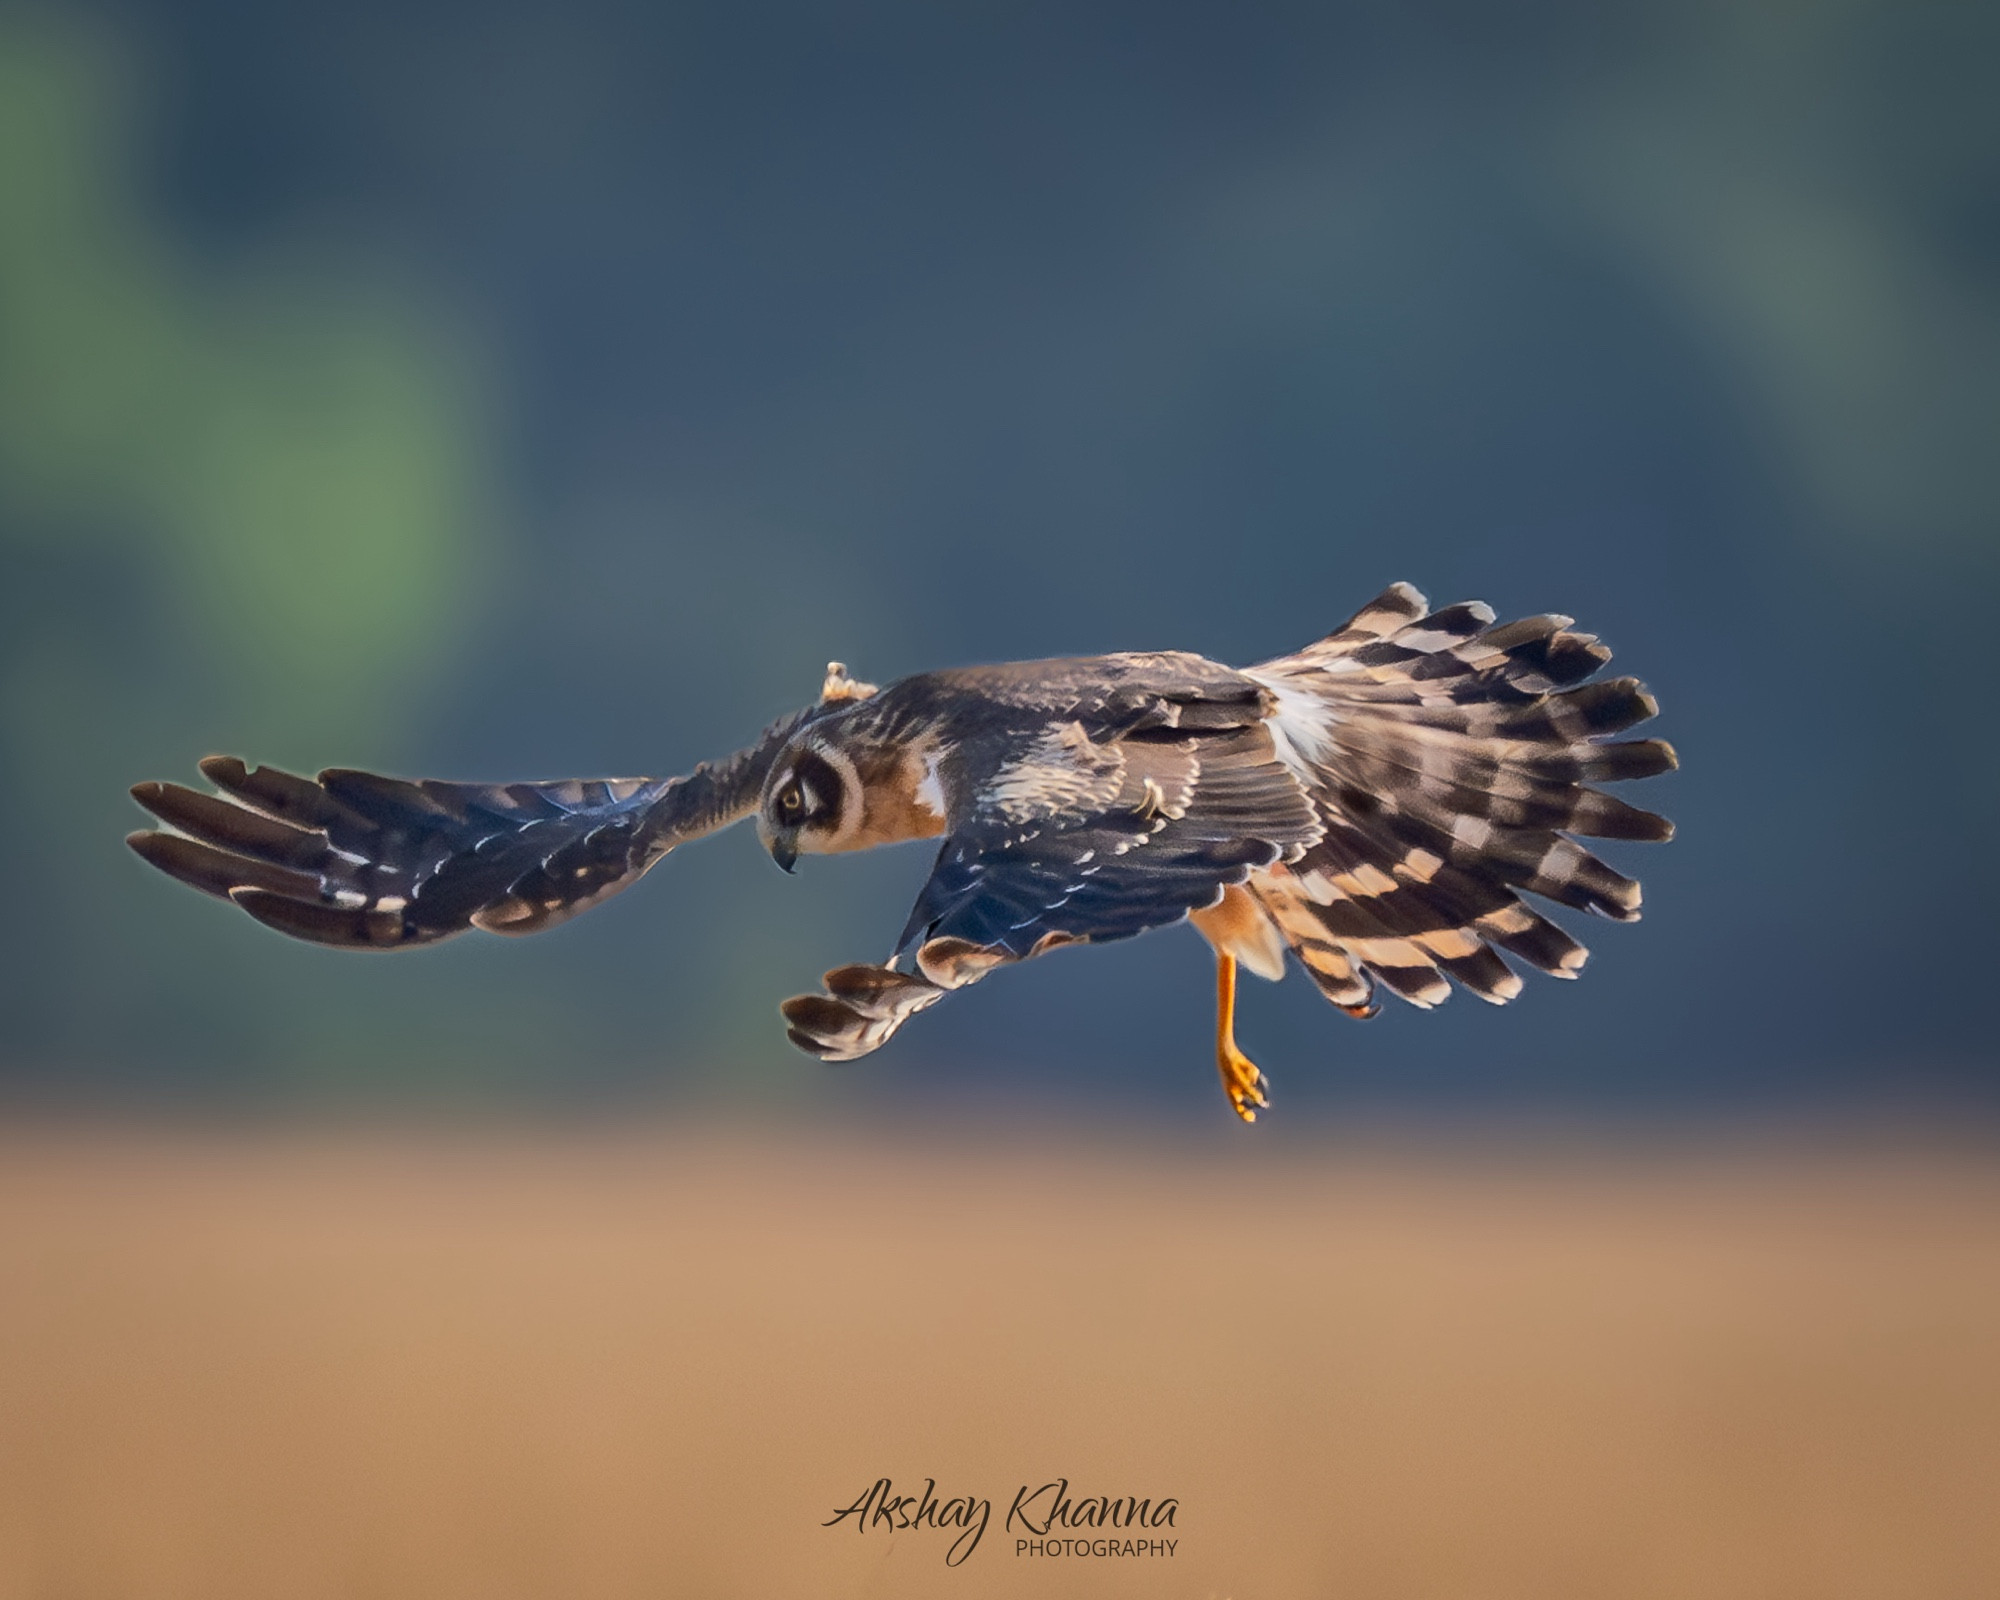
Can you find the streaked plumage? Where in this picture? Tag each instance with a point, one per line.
(1376, 804)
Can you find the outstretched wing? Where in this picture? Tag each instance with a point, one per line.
(1073, 841)
(378, 863)
(1451, 760)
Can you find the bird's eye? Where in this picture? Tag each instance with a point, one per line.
(791, 801)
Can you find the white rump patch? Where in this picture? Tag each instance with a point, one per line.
(1301, 727)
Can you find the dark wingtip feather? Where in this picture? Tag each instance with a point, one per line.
(168, 852)
(1620, 762)
(232, 827)
(1569, 658)
(811, 1046)
(317, 923)
(390, 802)
(171, 801)
(277, 793)
(831, 1029)
(821, 1013)
(217, 872)
(1604, 816)
(1396, 605)
(1483, 973)
(1607, 707)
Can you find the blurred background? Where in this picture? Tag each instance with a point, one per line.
(501, 391)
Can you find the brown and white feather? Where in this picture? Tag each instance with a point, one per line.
(1450, 760)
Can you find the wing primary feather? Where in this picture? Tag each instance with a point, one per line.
(362, 861)
(1451, 758)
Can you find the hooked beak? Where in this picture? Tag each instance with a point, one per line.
(785, 851)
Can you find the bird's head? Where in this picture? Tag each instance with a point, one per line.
(812, 798)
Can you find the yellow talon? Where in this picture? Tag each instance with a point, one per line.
(1241, 1080)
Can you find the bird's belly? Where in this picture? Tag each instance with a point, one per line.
(1238, 926)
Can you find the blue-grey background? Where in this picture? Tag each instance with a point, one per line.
(507, 391)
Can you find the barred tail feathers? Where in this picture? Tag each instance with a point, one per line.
(1451, 758)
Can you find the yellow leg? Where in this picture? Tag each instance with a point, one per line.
(1241, 1080)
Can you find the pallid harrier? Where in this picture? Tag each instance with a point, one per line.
(1376, 804)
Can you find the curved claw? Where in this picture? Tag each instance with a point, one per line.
(1244, 1084)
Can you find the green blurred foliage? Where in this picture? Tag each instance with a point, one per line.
(265, 484)
(287, 458)
(1763, 169)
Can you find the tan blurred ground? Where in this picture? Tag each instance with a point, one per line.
(650, 1365)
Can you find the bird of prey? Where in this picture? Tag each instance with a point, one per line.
(1376, 804)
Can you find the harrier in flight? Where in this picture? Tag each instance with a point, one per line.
(1377, 805)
